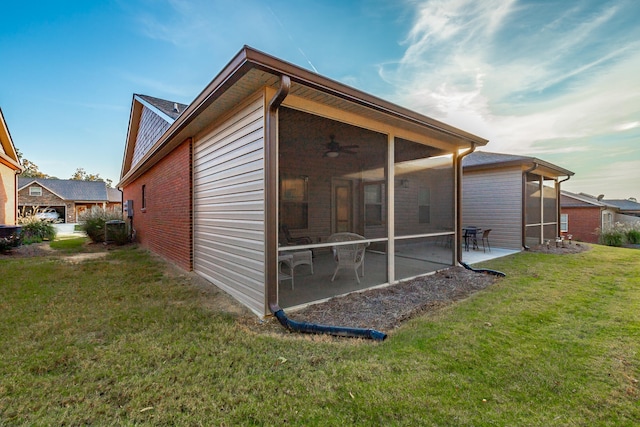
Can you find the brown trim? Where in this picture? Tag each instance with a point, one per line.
(271, 194)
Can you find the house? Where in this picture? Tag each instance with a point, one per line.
(69, 198)
(584, 215)
(267, 147)
(627, 207)
(514, 196)
(9, 169)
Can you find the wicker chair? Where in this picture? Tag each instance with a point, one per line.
(348, 256)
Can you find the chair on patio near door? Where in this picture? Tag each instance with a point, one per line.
(348, 256)
(485, 238)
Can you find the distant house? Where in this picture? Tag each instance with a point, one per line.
(514, 196)
(268, 147)
(584, 215)
(69, 198)
(9, 168)
(625, 207)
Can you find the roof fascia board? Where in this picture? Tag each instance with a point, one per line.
(305, 77)
(542, 166)
(132, 135)
(10, 155)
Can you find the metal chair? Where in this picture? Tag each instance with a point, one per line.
(485, 237)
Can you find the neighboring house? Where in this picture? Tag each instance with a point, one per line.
(9, 169)
(69, 198)
(268, 144)
(627, 207)
(584, 215)
(114, 199)
(514, 196)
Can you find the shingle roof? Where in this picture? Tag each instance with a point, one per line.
(167, 107)
(579, 200)
(481, 159)
(70, 189)
(623, 204)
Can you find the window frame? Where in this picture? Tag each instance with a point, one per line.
(33, 193)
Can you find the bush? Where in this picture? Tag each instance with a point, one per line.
(93, 223)
(13, 241)
(620, 234)
(633, 236)
(35, 230)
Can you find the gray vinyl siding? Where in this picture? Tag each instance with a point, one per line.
(152, 126)
(229, 205)
(493, 199)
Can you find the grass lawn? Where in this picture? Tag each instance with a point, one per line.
(122, 341)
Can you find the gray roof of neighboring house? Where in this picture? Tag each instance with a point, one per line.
(482, 159)
(623, 204)
(167, 107)
(579, 200)
(70, 189)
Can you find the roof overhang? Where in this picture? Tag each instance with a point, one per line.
(8, 154)
(531, 164)
(250, 71)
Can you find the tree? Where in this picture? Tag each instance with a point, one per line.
(81, 175)
(30, 169)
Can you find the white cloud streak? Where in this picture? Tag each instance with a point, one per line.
(488, 68)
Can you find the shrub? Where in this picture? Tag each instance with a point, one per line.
(35, 230)
(13, 241)
(93, 223)
(633, 236)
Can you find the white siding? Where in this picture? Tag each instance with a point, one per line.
(493, 199)
(228, 193)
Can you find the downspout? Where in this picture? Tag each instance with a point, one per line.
(459, 173)
(271, 231)
(558, 195)
(524, 205)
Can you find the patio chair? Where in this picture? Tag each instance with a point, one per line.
(348, 256)
(286, 239)
(485, 237)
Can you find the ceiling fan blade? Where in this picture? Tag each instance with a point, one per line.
(349, 151)
(348, 147)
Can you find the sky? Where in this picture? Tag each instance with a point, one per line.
(557, 80)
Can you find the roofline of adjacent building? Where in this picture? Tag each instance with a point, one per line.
(11, 158)
(520, 161)
(249, 58)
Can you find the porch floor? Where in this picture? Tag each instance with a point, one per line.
(317, 287)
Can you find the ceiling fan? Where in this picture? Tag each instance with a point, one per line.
(334, 148)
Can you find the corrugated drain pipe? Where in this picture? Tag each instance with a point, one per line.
(271, 174)
(459, 171)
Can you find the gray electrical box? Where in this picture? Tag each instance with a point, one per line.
(128, 207)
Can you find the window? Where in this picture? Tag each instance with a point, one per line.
(144, 199)
(373, 204)
(294, 197)
(564, 223)
(35, 191)
(424, 205)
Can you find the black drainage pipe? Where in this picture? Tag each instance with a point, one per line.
(482, 270)
(341, 331)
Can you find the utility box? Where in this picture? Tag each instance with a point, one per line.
(115, 231)
(128, 207)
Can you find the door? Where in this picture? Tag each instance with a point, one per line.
(342, 215)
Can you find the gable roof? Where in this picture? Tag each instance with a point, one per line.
(170, 109)
(8, 153)
(70, 189)
(479, 160)
(250, 71)
(114, 195)
(572, 200)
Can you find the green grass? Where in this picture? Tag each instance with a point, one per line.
(69, 244)
(120, 342)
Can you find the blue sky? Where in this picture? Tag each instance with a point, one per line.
(558, 80)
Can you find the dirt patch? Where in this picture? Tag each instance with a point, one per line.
(573, 248)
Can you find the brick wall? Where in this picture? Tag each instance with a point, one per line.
(583, 223)
(164, 226)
